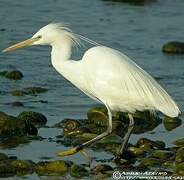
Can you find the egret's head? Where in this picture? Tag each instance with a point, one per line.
(47, 35)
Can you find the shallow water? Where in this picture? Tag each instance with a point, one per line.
(138, 31)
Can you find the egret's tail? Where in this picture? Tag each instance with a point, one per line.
(170, 109)
(165, 103)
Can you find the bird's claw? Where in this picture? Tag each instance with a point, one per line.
(68, 152)
(75, 150)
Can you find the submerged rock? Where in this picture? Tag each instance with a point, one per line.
(52, 167)
(171, 123)
(17, 103)
(134, 2)
(150, 162)
(179, 142)
(154, 144)
(10, 126)
(137, 152)
(17, 93)
(3, 156)
(32, 117)
(102, 168)
(174, 47)
(78, 171)
(14, 75)
(162, 154)
(22, 166)
(180, 168)
(33, 91)
(13, 126)
(180, 155)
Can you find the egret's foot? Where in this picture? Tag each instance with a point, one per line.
(75, 150)
(68, 152)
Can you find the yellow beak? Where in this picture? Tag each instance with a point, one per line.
(22, 44)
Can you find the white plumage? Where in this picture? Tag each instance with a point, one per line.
(105, 75)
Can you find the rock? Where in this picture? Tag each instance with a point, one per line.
(171, 123)
(29, 91)
(17, 103)
(12, 126)
(98, 116)
(169, 165)
(150, 162)
(101, 168)
(52, 167)
(180, 168)
(174, 47)
(81, 138)
(137, 152)
(70, 125)
(179, 142)
(34, 90)
(3, 156)
(161, 154)
(6, 170)
(180, 155)
(154, 144)
(3, 73)
(17, 93)
(78, 171)
(14, 75)
(134, 2)
(32, 117)
(22, 166)
(146, 147)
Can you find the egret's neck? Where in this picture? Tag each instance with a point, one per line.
(60, 53)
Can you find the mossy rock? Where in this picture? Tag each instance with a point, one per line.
(169, 165)
(98, 116)
(17, 93)
(180, 155)
(162, 154)
(171, 123)
(6, 170)
(150, 162)
(32, 117)
(52, 167)
(137, 152)
(78, 171)
(174, 47)
(34, 90)
(155, 144)
(101, 168)
(3, 73)
(70, 125)
(10, 126)
(179, 142)
(14, 75)
(22, 165)
(17, 104)
(180, 168)
(3, 157)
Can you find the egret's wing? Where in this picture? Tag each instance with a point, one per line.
(117, 80)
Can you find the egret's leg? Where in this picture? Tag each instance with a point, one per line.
(80, 147)
(127, 135)
(106, 133)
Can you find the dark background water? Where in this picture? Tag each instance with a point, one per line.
(138, 31)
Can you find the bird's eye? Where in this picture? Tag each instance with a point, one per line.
(39, 36)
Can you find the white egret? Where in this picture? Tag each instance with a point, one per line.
(104, 74)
